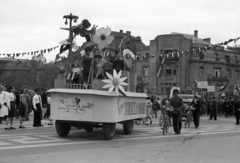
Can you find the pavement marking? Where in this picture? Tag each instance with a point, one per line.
(114, 140)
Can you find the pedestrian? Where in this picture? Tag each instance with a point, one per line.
(3, 108)
(237, 109)
(177, 104)
(23, 108)
(214, 106)
(149, 110)
(44, 101)
(11, 105)
(49, 109)
(196, 104)
(17, 104)
(37, 107)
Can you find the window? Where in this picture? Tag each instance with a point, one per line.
(146, 71)
(201, 71)
(227, 58)
(236, 74)
(162, 89)
(229, 73)
(174, 84)
(174, 72)
(217, 72)
(236, 59)
(201, 56)
(216, 57)
(168, 72)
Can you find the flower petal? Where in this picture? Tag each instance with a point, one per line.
(122, 79)
(109, 76)
(100, 31)
(115, 74)
(109, 39)
(108, 81)
(123, 83)
(116, 90)
(102, 45)
(96, 39)
(107, 85)
(110, 89)
(119, 74)
(121, 88)
(107, 31)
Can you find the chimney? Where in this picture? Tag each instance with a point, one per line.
(121, 31)
(138, 37)
(196, 33)
(128, 33)
(207, 40)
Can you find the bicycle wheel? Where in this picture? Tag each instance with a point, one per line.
(164, 126)
(143, 120)
(137, 121)
(161, 120)
(167, 125)
(187, 119)
(190, 120)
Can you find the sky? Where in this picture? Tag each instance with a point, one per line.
(31, 25)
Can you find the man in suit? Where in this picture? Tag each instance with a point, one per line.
(214, 106)
(177, 104)
(196, 104)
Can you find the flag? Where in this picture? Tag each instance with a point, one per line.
(160, 68)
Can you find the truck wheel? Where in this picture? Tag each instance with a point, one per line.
(62, 128)
(109, 130)
(88, 128)
(128, 127)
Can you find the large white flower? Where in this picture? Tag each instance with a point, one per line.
(115, 81)
(102, 37)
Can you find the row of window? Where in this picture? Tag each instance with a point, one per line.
(166, 87)
(217, 72)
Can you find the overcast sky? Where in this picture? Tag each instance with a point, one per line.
(31, 25)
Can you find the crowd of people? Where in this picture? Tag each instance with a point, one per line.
(20, 105)
(212, 107)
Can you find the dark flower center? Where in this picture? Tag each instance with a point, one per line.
(103, 37)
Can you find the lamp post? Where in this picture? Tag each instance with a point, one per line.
(70, 17)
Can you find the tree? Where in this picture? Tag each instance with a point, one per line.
(16, 79)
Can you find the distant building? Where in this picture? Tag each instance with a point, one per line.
(218, 67)
(8, 65)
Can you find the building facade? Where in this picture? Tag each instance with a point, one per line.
(218, 67)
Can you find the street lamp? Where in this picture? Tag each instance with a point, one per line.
(70, 17)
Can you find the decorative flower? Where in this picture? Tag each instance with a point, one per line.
(102, 37)
(115, 82)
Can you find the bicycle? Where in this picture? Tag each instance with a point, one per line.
(189, 117)
(164, 120)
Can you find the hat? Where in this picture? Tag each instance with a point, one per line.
(175, 91)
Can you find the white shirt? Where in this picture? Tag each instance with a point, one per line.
(76, 70)
(6, 98)
(37, 99)
(49, 100)
(11, 96)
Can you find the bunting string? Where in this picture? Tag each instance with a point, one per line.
(13, 55)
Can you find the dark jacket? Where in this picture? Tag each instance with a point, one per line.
(177, 104)
(196, 104)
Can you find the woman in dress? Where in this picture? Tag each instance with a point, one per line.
(23, 108)
(11, 104)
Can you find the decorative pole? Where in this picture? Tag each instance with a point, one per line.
(70, 17)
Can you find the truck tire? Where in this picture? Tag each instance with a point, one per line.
(109, 130)
(128, 127)
(62, 128)
(89, 128)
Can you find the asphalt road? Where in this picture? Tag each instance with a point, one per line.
(214, 141)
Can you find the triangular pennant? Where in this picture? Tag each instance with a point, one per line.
(18, 54)
(44, 51)
(28, 53)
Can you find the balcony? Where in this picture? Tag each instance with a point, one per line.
(213, 60)
(217, 79)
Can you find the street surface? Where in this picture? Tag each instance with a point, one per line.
(214, 141)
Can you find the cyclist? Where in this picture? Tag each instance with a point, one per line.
(196, 104)
(176, 107)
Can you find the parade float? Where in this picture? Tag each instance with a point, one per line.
(96, 93)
